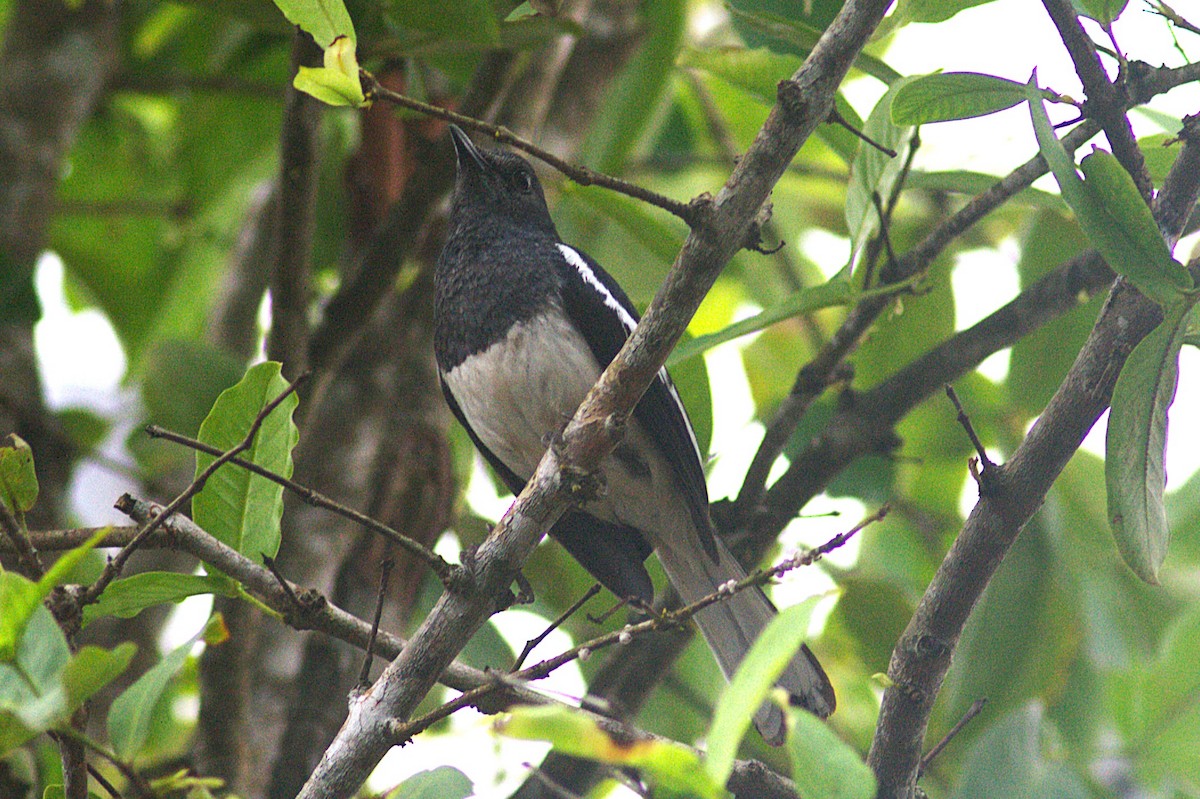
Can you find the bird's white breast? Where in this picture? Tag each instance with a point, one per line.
(524, 388)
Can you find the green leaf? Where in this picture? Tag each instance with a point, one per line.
(325, 20)
(239, 508)
(930, 10)
(443, 782)
(874, 172)
(19, 598)
(18, 480)
(92, 668)
(675, 770)
(827, 295)
(945, 96)
(804, 38)
(131, 713)
(130, 596)
(32, 697)
(1111, 211)
(1103, 11)
(338, 82)
(1135, 448)
(752, 684)
(44, 684)
(823, 765)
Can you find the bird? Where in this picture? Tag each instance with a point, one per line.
(524, 324)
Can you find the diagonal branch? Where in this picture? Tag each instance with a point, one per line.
(1009, 496)
(725, 223)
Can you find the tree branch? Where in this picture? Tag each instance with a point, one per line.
(725, 223)
(1009, 496)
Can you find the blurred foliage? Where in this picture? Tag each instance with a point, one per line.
(1092, 676)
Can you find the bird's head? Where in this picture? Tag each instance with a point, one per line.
(496, 185)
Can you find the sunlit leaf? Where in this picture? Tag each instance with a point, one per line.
(18, 480)
(240, 508)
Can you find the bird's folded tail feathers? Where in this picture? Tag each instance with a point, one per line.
(731, 626)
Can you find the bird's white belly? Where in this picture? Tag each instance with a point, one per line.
(524, 388)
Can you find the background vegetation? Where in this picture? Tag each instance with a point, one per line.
(216, 217)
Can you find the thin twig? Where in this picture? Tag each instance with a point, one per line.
(436, 563)
(532, 643)
(974, 710)
(269, 562)
(581, 175)
(965, 421)
(404, 730)
(385, 569)
(114, 566)
(27, 556)
(836, 118)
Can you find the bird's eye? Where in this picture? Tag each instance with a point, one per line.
(524, 182)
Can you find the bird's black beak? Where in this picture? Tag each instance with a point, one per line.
(465, 149)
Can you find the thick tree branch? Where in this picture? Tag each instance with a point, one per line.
(725, 224)
(1009, 496)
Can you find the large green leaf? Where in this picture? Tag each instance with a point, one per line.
(1103, 11)
(128, 597)
(44, 683)
(1112, 213)
(1135, 447)
(944, 96)
(752, 683)
(240, 508)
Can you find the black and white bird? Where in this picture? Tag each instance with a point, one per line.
(523, 326)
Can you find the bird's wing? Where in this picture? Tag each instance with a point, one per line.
(600, 309)
(613, 554)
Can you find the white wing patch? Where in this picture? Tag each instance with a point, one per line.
(629, 323)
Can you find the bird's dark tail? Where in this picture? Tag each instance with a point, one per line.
(732, 625)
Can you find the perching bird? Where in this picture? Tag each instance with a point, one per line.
(523, 326)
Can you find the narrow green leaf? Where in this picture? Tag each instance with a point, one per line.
(239, 508)
(325, 20)
(1105, 205)
(804, 38)
(823, 765)
(18, 480)
(443, 782)
(676, 770)
(751, 685)
(945, 96)
(826, 295)
(131, 712)
(874, 172)
(130, 596)
(1135, 448)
